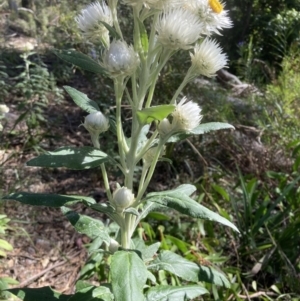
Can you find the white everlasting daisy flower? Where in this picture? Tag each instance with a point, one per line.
(178, 29)
(211, 14)
(120, 59)
(89, 22)
(186, 116)
(207, 58)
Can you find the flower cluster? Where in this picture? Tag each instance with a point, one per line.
(181, 24)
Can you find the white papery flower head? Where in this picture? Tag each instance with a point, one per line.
(186, 116)
(211, 14)
(4, 109)
(208, 58)
(178, 29)
(89, 21)
(122, 198)
(96, 123)
(120, 59)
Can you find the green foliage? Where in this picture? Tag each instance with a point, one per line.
(283, 96)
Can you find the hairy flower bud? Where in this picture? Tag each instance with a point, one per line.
(122, 199)
(149, 155)
(113, 246)
(120, 59)
(96, 123)
(164, 127)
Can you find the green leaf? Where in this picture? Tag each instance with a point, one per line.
(87, 225)
(71, 157)
(150, 206)
(211, 275)
(80, 60)
(45, 199)
(82, 100)
(187, 270)
(201, 129)
(92, 293)
(175, 293)
(147, 252)
(5, 245)
(104, 208)
(184, 204)
(38, 294)
(175, 264)
(211, 126)
(128, 275)
(155, 113)
(112, 31)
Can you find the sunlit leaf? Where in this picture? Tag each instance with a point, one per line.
(188, 270)
(71, 157)
(128, 275)
(178, 293)
(184, 204)
(155, 113)
(82, 100)
(80, 60)
(201, 129)
(89, 226)
(46, 199)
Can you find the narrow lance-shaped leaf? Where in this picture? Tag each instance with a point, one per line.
(184, 204)
(46, 199)
(178, 293)
(92, 293)
(201, 129)
(80, 60)
(82, 100)
(188, 270)
(71, 157)
(38, 294)
(155, 113)
(128, 275)
(150, 206)
(87, 225)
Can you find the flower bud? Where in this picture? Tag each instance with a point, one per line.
(149, 155)
(122, 198)
(164, 127)
(113, 246)
(120, 59)
(96, 123)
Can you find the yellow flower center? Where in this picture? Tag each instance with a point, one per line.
(216, 6)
